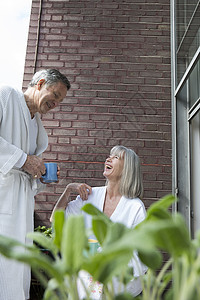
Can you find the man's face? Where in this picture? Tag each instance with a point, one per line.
(49, 96)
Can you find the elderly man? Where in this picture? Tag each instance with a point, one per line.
(22, 141)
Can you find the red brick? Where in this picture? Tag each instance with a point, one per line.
(117, 58)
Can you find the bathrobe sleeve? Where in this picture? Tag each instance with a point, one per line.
(14, 133)
(9, 153)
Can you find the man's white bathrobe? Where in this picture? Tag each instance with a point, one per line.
(17, 188)
(129, 212)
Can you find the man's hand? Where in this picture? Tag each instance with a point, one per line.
(34, 165)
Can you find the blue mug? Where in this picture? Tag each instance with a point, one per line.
(51, 173)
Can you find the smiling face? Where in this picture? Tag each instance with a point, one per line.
(48, 97)
(113, 167)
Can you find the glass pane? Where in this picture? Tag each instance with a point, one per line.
(195, 171)
(194, 85)
(188, 33)
(182, 158)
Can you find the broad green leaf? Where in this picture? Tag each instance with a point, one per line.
(92, 210)
(40, 261)
(167, 278)
(55, 291)
(152, 259)
(115, 232)
(158, 213)
(159, 206)
(124, 296)
(8, 244)
(169, 295)
(74, 241)
(116, 255)
(133, 241)
(126, 277)
(144, 244)
(164, 202)
(58, 223)
(138, 298)
(43, 241)
(100, 228)
(170, 235)
(15, 250)
(174, 236)
(106, 264)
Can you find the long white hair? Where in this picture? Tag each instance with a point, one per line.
(131, 184)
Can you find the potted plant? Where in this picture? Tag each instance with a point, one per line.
(70, 248)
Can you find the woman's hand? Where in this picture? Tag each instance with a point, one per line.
(81, 189)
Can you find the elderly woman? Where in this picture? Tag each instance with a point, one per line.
(23, 139)
(119, 199)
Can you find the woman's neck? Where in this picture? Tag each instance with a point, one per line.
(112, 198)
(113, 189)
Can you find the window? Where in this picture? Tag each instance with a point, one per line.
(185, 16)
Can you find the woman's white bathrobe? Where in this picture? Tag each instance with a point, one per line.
(129, 212)
(17, 188)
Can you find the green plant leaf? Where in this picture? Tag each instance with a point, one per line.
(126, 277)
(169, 295)
(132, 240)
(100, 228)
(159, 208)
(116, 255)
(29, 255)
(171, 235)
(174, 236)
(74, 241)
(126, 237)
(139, 240)
(92, 210)
(54, 291)
(8, 244)
(43, 241)
(160, 231)
(46, 230)
(167, 277)
(58, 223)
(115, 232)
(152, 259)
(158, 213)
(124, 296)
(108, 263)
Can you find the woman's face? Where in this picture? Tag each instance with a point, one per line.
(113, 167)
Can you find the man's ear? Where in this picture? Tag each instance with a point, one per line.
(40, 83)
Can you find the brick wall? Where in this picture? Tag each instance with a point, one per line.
(116, 55)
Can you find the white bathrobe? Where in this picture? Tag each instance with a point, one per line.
(17, 188)
(129, 212)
